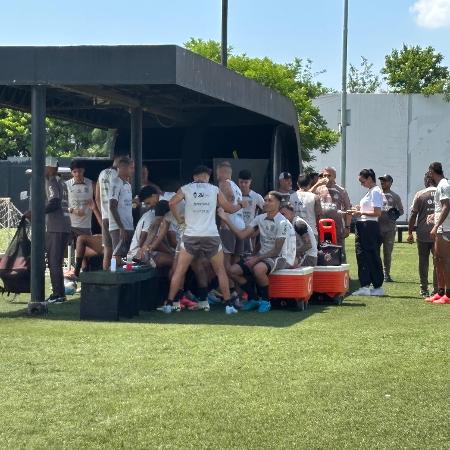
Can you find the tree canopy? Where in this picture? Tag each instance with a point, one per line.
(362, 79)
(416, 70)
(294, 80)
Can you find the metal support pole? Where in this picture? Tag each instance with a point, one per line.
(38, 197)
(224, 47)
(136, 146)
(344, 97)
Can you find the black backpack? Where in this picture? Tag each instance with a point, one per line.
(329, 255)
(15, 266)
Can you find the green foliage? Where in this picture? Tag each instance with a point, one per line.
(417, 70)
(63, 138)
(294, 80)
(362, 79)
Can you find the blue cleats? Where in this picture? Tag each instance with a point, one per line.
(249, 305)
(264, 306)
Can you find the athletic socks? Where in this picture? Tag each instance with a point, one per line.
(263, 292)
(202, 293)
(249, 288)
(177, 298)
(78, 264)
(441, 291)
(214, 284)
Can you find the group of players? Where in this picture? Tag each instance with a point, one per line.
(227, 235)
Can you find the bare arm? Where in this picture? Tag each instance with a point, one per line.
(400, 205)
(442, 216)
(177, 198)
(228, 206)
(115, 213)
(317, 207)
(306, 244)
(162, 231)
(97, 199)
(275, 252)
(241, 234)
(152, 231)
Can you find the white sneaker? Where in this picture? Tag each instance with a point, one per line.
(230, 310)
(363, 291)
(167, 309)
(176, 307)
(203, 305)
(378, 292)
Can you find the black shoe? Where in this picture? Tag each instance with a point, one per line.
(56, 299)
(424, 293)
(388, 279)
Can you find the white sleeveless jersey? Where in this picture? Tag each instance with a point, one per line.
(79, 196)
(200, 209)
(104, 181)
(237, 218)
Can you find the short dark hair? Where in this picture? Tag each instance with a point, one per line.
(303, 181)
(201, 169)
(288, 206)
(162, 208)
(436, 167)
(277, 195)
(76, 164)
(368, 173)
(146, 192)
(245, 175)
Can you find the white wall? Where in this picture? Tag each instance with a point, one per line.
(389, 133)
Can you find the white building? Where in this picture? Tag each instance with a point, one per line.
(395, 134)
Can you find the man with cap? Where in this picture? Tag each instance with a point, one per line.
(392, 209)
(285, 186)
(58, 228)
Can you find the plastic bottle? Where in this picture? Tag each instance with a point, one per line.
(113, 265)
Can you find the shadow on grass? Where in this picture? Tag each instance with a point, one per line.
(277, 318)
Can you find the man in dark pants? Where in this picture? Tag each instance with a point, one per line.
(391, 211)
(422, 207)
(58, 228)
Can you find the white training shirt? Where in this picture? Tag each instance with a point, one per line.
(144, 224)
(289, 250)
(304, 204)
(200, 209)
(312, 251)
(442, 193)
(237, 218)
(79, 196)
(254, 200)
(270, 230)
(169, 217)
(373, 199)
(104, 180)
(120, 190)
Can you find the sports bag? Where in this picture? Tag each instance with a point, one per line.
(15, 266)
(329, 254)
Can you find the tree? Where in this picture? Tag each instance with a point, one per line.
(416, 70)
(363, 80)
(294, 80)
(63, 138)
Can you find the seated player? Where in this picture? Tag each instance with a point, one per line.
(277, 251)
(306, 241)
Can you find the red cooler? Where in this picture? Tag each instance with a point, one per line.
(332, 281)
(296, 284)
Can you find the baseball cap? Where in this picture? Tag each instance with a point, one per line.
(51, 161)
(386, 177)
(284, 176)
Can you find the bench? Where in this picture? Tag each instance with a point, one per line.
(109, 295)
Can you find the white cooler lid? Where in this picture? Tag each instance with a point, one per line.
(341, 268)
(294, 272)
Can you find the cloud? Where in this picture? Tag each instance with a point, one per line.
(432, 13)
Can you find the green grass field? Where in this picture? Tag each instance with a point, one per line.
(374, 373)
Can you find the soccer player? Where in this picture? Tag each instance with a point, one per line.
(255, 205)
(422, 207)
(441, 234)
(201, 237)
(306, 204)
(102, 199)
(306, 242)
(120, 210)
(285, 186)
(278, 248)
(391, 211)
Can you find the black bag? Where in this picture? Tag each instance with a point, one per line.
(329, 255)
(393, 214)
(15, 266)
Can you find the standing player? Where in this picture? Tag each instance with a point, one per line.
(441, 234)
(285, 186)
(255, 205)
(422, 207)
(121, 210)
(201, 237)
(102, 199)
(391, 211)
(278, 248)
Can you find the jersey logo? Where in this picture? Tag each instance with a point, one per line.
(198, 195)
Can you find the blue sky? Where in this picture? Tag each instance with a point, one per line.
(281, 30)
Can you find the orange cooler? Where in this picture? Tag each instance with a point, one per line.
(331, 280)
(292, 283)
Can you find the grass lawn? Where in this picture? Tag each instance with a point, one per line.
(373, 373)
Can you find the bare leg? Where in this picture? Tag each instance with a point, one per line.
(176, 283)
(217, 263)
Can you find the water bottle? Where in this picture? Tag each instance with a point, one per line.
(113, 264)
